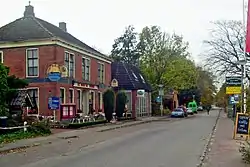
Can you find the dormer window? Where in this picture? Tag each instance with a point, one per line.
(143, 80)
(135, 76)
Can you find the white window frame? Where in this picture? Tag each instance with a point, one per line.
(86, 58)
(68, 67)
(80, 105)
(73, 95)
(101, 100)
(27, 68)
(64, 91)
(131, 100)
(1, 56)
(38, 100)
(93, 98)
(101, 63)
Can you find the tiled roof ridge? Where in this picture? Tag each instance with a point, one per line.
(45, 29)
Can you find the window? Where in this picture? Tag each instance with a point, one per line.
(100, 100)
(62, 95)
(1, 57)
(33, 93)
(69, 61)
(71, 95)
(101, 72)
(32, 62)
(85, 69)
(79, 99)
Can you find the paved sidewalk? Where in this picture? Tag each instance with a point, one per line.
(224, 150)
(26, 143)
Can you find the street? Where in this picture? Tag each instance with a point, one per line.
(174, 144)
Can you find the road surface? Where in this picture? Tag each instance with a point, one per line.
(158, 144)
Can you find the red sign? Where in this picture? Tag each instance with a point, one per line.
(248, 29)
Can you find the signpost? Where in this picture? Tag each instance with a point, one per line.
(54, 104)
(241, 126)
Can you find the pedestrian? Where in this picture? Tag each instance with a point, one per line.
(208, 109)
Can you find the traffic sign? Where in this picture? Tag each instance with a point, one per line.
(54, 103)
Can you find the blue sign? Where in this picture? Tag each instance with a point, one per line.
(54, 103)
(242, 124)
(54, 76)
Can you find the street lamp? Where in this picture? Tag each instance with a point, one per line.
(243, 91)
(161, 93)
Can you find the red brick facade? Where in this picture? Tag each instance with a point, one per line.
(15, 58)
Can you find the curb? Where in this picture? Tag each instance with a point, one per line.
(206, 148)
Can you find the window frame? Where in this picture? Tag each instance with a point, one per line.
(38, 99)
(64, 92)
(68, 65)
(84, 68)
(73, 95)
(27, 63)
(99, 71)
(1, 57)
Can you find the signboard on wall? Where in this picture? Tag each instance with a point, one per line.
(140, 93)
(114, 83)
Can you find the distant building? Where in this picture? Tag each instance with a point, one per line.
(29, 46)
(138, 90)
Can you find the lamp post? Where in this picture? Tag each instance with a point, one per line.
(161, 93)
(243, 86)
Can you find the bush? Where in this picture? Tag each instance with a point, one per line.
(121, 100)
(245, 152)
(41, 128)
(85, 124)
(108, 101)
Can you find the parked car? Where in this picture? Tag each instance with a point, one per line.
(200, 108)
(190, 111)
(178, 112)
(184, 109)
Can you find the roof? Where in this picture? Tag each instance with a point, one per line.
(129, 77)
(30, 27)
(22, 97)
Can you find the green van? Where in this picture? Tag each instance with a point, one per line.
(193, 106)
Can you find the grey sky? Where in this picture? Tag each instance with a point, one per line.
(99, 22)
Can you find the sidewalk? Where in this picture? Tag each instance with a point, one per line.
(224, 150)
(26, 143)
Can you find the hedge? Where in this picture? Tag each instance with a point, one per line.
(85, 124)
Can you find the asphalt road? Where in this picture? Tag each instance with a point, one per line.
(158, 144)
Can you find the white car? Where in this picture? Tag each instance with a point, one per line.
(190, 111)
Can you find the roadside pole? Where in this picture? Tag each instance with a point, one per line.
(161, 93)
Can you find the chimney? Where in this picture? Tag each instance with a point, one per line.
(29, 11)
(63, 26)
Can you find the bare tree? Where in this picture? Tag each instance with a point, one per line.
(226, 47)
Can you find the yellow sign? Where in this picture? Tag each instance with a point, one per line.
(55, 68)
(114, 83)
(64, 71)
(233, 90)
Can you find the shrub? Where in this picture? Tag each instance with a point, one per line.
(40, 128)
(121, 100)
(108, 101)
(245, 152)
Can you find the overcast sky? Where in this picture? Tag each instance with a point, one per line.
(99, 22)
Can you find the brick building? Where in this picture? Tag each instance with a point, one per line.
(30, 45)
